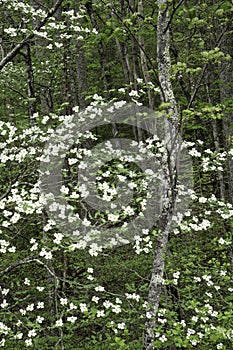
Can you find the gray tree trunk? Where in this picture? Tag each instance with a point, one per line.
(81, 74)
(30, 84)
(156, 282)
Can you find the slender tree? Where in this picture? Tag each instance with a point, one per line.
(156, 281)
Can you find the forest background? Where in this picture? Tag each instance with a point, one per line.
(169, 288)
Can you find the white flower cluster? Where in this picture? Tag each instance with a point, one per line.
(195, 224)
(176, 276)
(108, 191)
(5, 247)
(143, 244)
(214, 161)
(133, 296)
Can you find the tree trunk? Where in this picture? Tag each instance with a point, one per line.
(216, 140)
(164, 61)
(156, 282)
(66, 83)
(81, 74)
(73, 78)
(30, 83)
(101, 51)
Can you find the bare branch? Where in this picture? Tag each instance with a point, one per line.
(24, 262)
(172, 15)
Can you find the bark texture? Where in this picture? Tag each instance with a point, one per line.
(156, 282)
(164, 61)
